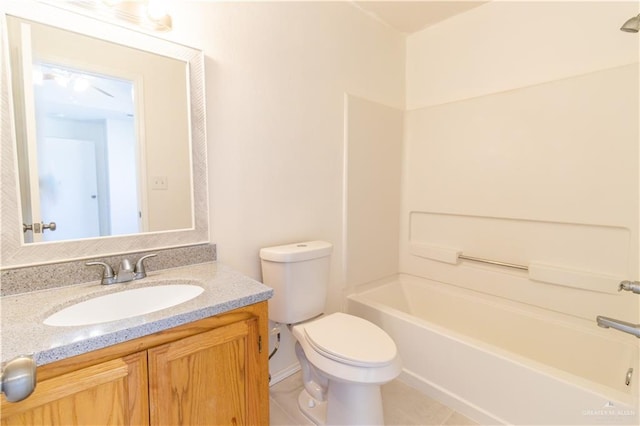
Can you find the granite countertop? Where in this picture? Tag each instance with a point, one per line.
(23, 331)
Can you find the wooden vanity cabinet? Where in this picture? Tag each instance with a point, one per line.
(210, 372)
(205, 379)
(109, 393)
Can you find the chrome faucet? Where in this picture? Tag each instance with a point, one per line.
(623, 326)
(126, 272)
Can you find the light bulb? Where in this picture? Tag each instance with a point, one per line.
(157, 9)
(80, 84)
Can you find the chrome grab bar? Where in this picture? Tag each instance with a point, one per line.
(632, 286)
(493, 262)
(623, 326)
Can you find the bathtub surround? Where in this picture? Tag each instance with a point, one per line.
(373, 167)
(521, 146)
(44, 277)
(539, 153)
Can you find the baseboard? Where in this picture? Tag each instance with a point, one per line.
(283, 374)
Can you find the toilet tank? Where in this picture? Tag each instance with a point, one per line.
(299, 276)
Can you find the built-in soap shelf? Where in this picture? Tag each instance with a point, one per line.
(537, 271)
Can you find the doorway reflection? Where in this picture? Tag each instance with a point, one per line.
(86, 154)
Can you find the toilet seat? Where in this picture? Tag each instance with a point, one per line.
(347, 348)
(350, 340)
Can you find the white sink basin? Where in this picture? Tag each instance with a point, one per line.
(124, 304)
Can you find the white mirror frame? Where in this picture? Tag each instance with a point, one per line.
(13, 251)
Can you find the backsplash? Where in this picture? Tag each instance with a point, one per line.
(42, 277)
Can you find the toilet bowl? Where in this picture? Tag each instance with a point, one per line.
(344, 359)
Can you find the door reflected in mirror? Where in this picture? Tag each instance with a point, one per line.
(88, 121)
(103, 136)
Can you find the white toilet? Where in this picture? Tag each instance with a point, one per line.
(344, 359)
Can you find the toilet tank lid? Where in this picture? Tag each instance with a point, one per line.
(296, 252)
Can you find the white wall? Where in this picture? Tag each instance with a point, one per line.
(276, 75)
(504, 45)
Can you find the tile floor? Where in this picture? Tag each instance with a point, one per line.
(403, 405)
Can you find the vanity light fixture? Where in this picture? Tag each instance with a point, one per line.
(81, 84)
(65, 78)
(147, 14)
(157, 9)
(157, 13)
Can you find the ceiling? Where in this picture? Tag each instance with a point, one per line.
(411, 16)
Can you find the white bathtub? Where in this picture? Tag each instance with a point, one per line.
(504, 363)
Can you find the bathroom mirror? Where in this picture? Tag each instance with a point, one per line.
(102, 134)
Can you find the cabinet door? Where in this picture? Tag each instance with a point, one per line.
(110, 393)
(206, 379)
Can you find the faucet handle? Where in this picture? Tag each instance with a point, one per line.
(108, 277)
(139, 271)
